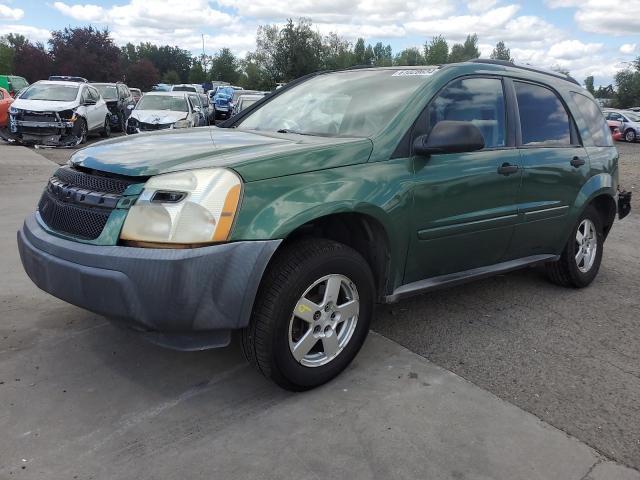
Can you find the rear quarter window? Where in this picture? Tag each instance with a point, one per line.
(593, 118)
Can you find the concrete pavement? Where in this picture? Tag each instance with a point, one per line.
(82, 399)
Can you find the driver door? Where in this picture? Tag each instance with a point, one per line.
(465, 204)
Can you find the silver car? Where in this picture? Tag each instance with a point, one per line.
(628, 121)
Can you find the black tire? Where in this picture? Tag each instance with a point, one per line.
(122, 123)
(630, 135)
(265, 342)
(565, 271)
(106, 129)
(80, 130)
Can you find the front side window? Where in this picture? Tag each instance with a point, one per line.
(93, 94)
(51, 92)
(108, 92)
(543, 119)
(598, 128)
(476, 100)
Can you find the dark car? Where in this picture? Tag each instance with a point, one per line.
(119, 101)
(137, 94)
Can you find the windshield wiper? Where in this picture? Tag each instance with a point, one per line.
(288, 130)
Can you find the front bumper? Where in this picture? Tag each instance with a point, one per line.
(177, 296)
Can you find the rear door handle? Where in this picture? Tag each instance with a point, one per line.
(577, 162)
(507, 169)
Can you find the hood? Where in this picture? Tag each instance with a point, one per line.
(255, 156)
(44, 105)
(158, 116)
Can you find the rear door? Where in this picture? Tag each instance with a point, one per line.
(465, 203)
(555, 165)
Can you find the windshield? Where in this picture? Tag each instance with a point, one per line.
(107, 91)
(228, 91)
(161, 102)
(351, 104)
(54, 93)
(634, 117)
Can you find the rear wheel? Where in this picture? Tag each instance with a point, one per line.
(581, 257)
(630, 135)
(311, 315)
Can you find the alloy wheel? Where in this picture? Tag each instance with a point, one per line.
(323, 320)
(586, 245)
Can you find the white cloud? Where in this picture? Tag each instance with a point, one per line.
(599, 16)
(83, 13)
(8, 13)
(573, 49)
(628, 48)
(563, 3)
(479, 6)
(32, 33)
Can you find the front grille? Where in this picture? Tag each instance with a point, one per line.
(39, 117)
(83, 222)
(39, 130)
(79, 203)
(151, 127)
(93, 182)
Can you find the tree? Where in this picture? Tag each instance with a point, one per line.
(299, 49)
(196, 74)
(6, 55)
(171, 77)
(382, 55)
(456, 54)
(31, 61)
(142, 74)
(225, 67)
(465, 51)
(436, 52)
(86, 52)
(604, 92)
(501, 52)
(627, 92)
(336, 52)
(588, 84)
(359, 51)
(266, 55)
(410, 56)
(165, 58)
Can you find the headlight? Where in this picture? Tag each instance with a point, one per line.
(184, 123)
(13, 110)
(192, 207)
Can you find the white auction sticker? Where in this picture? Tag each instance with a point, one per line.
(409, 73)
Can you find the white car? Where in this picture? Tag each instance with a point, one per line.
(187, 87)
(161, 111)
(627, 121)
(58, 113)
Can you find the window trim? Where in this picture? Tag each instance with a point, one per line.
(574, 134)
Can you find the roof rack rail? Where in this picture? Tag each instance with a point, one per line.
(507, 63)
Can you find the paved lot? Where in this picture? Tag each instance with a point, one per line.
(79, 397)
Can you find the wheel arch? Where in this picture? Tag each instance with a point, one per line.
(599, 192)
(361, 231)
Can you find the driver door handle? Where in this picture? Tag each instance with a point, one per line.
(507, 169)
(577, 162)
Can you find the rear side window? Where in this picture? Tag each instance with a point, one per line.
(543, 119)
(598, 128)
(476, 100)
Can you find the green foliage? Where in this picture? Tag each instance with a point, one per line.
(410, 56)
(171, 77)
(7, 54)
(627, 88)
(461, 52)
(588, 84)
(436, 52)
(225, 67)
(501, 52)
(382, 55)
(196, 74)
(165, 58)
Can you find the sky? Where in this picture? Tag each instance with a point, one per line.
(586, 37)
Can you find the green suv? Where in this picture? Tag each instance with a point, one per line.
(338, 191)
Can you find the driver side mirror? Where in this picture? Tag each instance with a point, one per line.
(449, 136)
(130, 107)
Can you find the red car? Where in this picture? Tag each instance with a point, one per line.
(5, 101)
(616, 134)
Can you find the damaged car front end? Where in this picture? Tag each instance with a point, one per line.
(47, 128)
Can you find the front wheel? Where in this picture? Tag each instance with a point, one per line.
(311, 315)
(106, 129)
(580, 260)
(80, 130)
